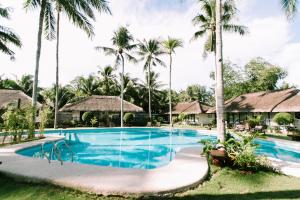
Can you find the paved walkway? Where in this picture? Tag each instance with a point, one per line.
(188, 169)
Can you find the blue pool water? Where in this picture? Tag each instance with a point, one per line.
(143, 148)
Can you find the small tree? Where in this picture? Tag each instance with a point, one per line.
(182, 117)
(254, 121)
(283, 119)
(44, 119)
(128, 118)
(94, 121)
(87, 117)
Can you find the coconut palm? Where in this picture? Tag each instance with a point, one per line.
(107, 81)
(72, 13)
(122, 46)
(206, 20)
(290, 7)
(78, 11)
(7, 36)
(86, 86)
(150, 51)
(170, 45)
(215, 17)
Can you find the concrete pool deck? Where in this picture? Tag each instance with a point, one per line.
(187, 170)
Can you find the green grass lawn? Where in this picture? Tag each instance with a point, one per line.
(224, 184)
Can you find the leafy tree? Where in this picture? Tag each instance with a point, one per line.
(7, 36)
(122, 46)
(170, 45)
(196, 93)
(86, 86)
(108, 85)
(150, 52)
(65, 95)
(284, 118)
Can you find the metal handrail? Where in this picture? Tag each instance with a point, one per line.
(56, 150)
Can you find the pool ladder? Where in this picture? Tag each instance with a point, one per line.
(56, 150)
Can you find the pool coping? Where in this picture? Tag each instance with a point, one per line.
(187, 170)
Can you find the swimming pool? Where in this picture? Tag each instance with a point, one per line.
(143, 148)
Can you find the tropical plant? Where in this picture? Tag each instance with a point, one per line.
(73, 10)
(215, 17)
(254, 121)
(206, 20)
(128, 118)
(107, 81)
(7, 36)
(284, 118)
(94, 121)
(44, 116)
(170, 45)
(289, 7)
(86, 86)
(122, 46)
(150, 51)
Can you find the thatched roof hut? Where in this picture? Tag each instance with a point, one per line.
(14, 96)
(101, 104)
(264, 102)
(191, 108)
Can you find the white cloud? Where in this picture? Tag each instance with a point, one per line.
(269, 37)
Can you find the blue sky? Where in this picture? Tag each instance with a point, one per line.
(271, 37)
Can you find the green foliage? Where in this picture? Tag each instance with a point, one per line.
(208, 145)
(241, 154)
(94, 121)
(86, 117)
(257, 75)
(283, 118)
(128, 118)
(182, 117)
(254, 121)
(197, 93)
(45, 114)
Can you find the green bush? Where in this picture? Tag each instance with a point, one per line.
(139, 120)
(283, 118)
(87, 117)
(254, 121)
(128, 118)
(94, 121)
(182, 117)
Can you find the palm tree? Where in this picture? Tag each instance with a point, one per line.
(108, 81)
(122, 45)
(215, 17)
(290, 7)
(73, 11)
(170, 45)
(7, 36)
(86, 86)
(150, 52)
(206, 20)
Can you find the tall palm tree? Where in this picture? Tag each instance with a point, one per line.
(79, 11)
(290, 7)
(150, 51)
(72, 12)
(122, 46)
(170, 45)
(7, 36)
(215, 17)
(206, 20)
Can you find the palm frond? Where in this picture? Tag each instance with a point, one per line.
(242, 30)
(289, 7)
(49, 22)
(29, 4)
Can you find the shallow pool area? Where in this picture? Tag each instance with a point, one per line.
(139, 148)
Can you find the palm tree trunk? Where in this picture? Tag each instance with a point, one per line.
(219, 74)
(170, 92)
(57, 69)
(149, 93)
(122, 91)
(37, 61)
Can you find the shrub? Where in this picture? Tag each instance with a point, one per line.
(283, 118)
(139, 120)
(182, 117)
(44, 119)
(254, 121)
(128, 118)
(87, 117)
(94, 121)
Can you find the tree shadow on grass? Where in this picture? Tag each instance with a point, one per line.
(290, 194)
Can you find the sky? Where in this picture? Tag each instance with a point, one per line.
(271, 36)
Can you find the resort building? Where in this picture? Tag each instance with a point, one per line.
(97, 104)
(195, 113)
(15, 97)
(266, 103)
